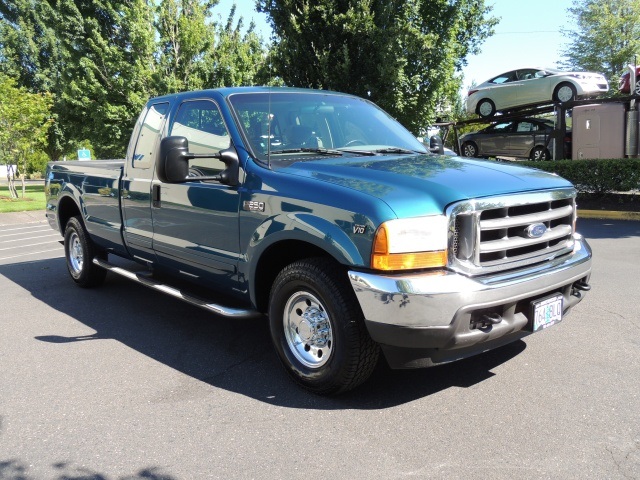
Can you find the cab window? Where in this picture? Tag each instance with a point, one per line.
(201, 123)
(149, 134)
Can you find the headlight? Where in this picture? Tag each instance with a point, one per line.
(411, 243)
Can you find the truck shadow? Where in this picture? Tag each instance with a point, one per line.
(235, 355)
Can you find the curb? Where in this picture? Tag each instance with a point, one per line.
(608, 215)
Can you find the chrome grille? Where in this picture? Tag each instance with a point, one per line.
(511, 231)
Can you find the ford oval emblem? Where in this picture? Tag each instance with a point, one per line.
(536, 230)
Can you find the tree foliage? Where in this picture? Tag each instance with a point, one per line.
(607, 36)
(102, 59)
(24, 120)
(402, 54)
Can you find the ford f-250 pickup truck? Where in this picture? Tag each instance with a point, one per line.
(319, 211)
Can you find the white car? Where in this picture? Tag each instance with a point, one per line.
(526, 86)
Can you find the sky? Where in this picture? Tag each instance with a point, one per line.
(528, 34)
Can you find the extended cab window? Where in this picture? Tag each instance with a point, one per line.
(149, 134)
(200, 121)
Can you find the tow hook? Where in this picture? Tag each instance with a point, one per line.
(580, 286)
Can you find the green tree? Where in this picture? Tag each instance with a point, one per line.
(24, 120)
(186, 39)
(606, 38)
(108, 48)
(402, 54)
(238, 58)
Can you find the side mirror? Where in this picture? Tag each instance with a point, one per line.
(173, 163)
(436, 145)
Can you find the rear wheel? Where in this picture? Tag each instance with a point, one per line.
(318, 329)
(80, 251)
(540, 153)
(469, 149)
(486, 108)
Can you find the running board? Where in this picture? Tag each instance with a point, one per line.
(221, 310)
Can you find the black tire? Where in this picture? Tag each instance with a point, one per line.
(80, 251)
(469, 149)
(565, 92)
(539, 153)
(486, 108)
(318, 329)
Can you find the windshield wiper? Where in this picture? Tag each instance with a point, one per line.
(366, 153)
(397, 150)
(321, 151)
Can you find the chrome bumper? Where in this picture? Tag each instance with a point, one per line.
(436, 310)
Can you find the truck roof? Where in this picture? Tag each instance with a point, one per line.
(227, 91)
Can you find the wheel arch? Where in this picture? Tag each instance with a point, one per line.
(67, 208)
(276, 257)
(288, 237)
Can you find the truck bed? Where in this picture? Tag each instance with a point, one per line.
(96, 184)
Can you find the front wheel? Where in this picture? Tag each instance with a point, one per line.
(469, 149)
(540, 153)
(565, 92)
(80, 251)
(318, 329)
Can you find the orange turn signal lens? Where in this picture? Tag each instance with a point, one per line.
(408, 261)
(381, 259)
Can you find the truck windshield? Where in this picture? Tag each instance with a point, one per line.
(283, 125)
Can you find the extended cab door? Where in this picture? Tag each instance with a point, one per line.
(136, 181)
(195, 224)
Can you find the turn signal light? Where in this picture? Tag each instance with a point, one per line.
(381, 259)
(408, 261)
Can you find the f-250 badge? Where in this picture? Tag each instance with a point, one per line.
(253, 206)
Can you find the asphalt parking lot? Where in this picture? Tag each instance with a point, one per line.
(124, 383)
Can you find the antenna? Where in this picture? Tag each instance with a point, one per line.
(269, 111)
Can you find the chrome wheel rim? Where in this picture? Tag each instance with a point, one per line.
(76, 255)
(307, 329)
(485, 109)
(565, 93)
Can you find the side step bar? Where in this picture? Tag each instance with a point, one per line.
(221, 310)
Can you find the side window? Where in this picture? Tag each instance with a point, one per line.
(526, 127)
(200, 121)
(149, 133)
(501, 128)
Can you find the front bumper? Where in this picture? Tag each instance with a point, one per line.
(429, 318)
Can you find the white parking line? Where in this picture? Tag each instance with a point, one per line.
(30, 245)
(31, 230)
(31, 253)
(54, 234)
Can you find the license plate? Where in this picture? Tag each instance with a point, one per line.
(546, 312)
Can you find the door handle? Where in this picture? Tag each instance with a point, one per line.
(155, 195)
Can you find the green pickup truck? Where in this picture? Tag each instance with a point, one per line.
(319, 212)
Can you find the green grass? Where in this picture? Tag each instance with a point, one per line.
(34, 198)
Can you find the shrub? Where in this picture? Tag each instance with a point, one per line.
(595, 176)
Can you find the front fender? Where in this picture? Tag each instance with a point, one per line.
(309, 228)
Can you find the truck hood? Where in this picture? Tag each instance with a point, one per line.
(414, 185)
